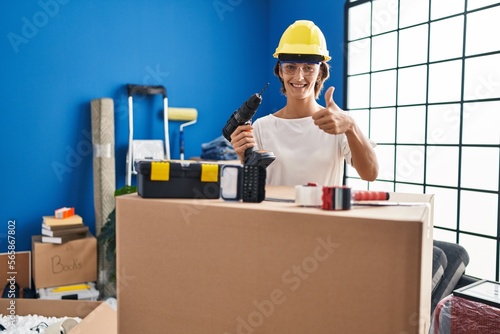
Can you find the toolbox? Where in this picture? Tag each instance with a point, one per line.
(182, 179)
(84, 291)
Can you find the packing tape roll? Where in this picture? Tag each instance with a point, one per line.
(308, 195)
(61, 327)
(336, 198)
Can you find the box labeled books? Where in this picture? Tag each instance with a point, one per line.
(72, 262)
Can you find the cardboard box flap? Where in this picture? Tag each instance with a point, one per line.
(50, 308)
(97, 317)
(102, 320)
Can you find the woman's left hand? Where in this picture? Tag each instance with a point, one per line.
(332, 119)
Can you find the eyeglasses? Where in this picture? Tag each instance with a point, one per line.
(307, 69)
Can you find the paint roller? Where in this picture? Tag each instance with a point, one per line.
(186, 115)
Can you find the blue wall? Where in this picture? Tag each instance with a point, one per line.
(329, 16)
(58, 55)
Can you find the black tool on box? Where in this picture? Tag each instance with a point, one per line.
(243, 183)
(170, 179)
(243, 115)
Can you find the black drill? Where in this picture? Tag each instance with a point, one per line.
(243, 116)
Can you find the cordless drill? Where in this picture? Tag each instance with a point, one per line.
(242, 116)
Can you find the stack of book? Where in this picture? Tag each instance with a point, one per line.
(60, 230)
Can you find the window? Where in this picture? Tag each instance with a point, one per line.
(423, 81)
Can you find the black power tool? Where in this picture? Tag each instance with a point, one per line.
(243, 116)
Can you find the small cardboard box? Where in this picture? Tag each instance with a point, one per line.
(273, 267)
(69, 263)
(20, 270)
(97, 317)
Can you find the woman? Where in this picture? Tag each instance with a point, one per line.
(310, 141)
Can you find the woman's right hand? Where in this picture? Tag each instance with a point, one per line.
(241, 139)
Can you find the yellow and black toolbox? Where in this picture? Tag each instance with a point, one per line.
(178, 179)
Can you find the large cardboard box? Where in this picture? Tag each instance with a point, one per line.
(69, 263)
(210, 266)
(97, 317)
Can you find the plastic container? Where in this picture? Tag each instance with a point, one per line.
(169, 179)
(84, 291)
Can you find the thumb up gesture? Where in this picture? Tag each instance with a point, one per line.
(332, 119)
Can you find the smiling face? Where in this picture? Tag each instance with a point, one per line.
(301, 79)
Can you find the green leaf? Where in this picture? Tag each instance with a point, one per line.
(126, 190)
(107, 236)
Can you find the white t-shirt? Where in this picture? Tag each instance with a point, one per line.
(304, 153)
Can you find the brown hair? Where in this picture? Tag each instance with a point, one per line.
(324, 74)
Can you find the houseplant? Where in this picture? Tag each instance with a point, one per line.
(107, 237)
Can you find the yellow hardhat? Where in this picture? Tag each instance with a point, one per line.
(301, 40)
